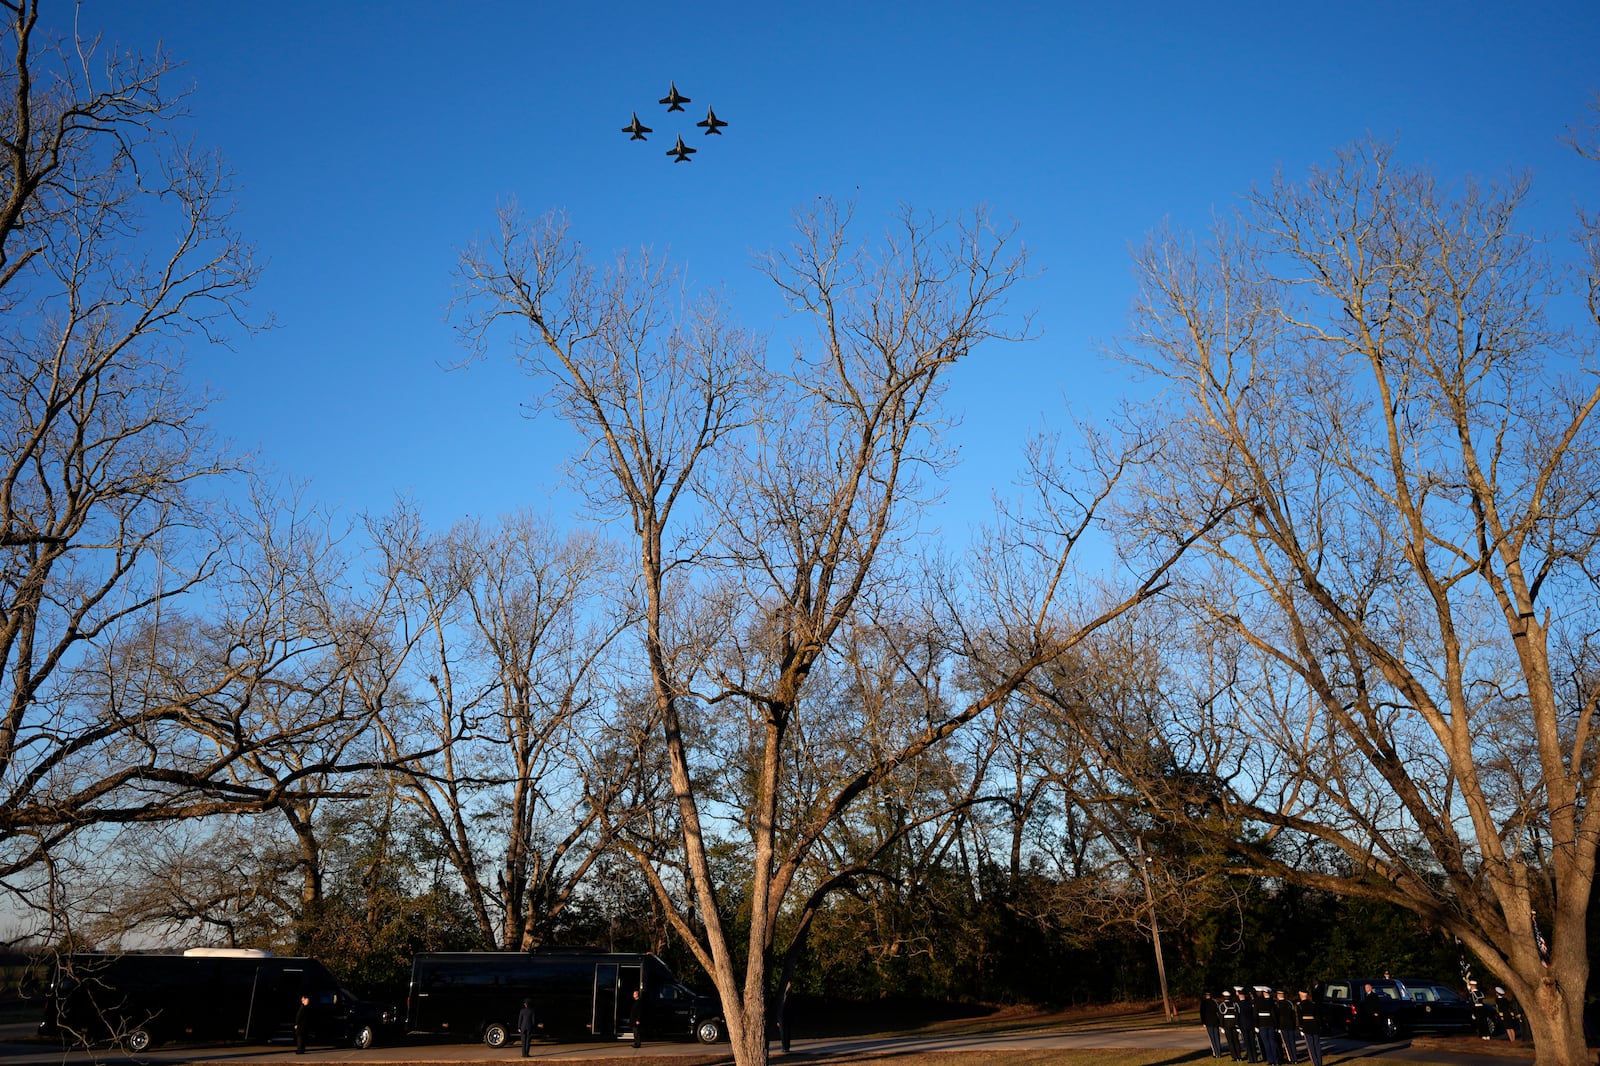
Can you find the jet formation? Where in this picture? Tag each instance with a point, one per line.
(675, 100)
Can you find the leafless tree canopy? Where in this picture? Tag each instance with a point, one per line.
(513, 623)
(115, 254)
(798, 662)
(1393, 634)
(1340, 631)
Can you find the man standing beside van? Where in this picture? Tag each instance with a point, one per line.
(525, 1025)
(302, 1022)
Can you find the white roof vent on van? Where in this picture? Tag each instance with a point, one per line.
(226, 953)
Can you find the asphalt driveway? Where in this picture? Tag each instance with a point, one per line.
(18, 1047)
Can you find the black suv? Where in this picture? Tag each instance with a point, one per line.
(1391, 1007)
(338, 1017)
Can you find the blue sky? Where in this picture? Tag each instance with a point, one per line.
(371, 140)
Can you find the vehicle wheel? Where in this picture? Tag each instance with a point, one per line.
(708, 1032)
(496, 1035)
(365, 1037)
(138, 1040)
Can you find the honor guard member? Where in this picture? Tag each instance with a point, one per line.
(1247, 1025)
(1288, 1024)
(1308, 1013)
(1267, 1026)
(1228, 1009)
(1510, 1013)
(1212, 1020)
(1482, 1021)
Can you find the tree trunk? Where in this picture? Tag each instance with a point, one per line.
(749, 1044)
(1555, 1014)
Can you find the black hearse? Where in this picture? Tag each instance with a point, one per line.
(138, 999)
(577, 994)
(1389, 1008)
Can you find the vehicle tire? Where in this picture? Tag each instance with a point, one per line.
(708, 1031)
(138, 1040)
(365, 1037)
(496, 1034)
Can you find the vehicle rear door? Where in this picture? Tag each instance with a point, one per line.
(603, 1021)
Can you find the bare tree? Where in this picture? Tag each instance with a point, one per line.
(115, 253)
(765, 507)
(314, 664)
(514, 621)
(220, 880)
(652, 397)
(1395, 645)
(1092, 726)
(266, 689)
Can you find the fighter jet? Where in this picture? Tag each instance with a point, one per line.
(637, 128)
(712, 122)
(674, 100)
(682, 151)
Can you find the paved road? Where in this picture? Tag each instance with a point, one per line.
(1185, 1040)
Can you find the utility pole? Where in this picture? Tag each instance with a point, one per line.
(1155, 930)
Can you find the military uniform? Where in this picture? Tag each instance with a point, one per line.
(1308, 1014)
(1247, 1025)
(1212, 1020)
(1228, 1012)
(1267, 1027)
(1288, 1024)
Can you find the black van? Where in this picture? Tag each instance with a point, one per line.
(577, 994)
(138, 999)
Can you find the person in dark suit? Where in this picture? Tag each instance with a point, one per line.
(636, 1016)
(302, 1025)
(525, 1025)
